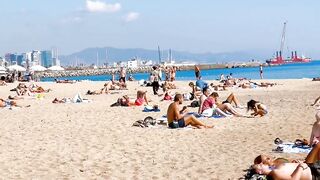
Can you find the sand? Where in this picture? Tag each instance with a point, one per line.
(95, 141)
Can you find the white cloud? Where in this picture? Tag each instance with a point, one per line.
(100, 6)
(132, 16)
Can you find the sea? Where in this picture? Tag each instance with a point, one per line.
(286, 71)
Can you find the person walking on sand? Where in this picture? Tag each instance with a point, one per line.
(261, 71)
(197, 71)
(180, 119)
(123, 75)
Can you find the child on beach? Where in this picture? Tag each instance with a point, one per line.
(257, 107)
(315, 133)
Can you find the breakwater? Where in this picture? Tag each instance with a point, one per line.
(73, 72)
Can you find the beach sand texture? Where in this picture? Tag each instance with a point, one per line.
(95, 141)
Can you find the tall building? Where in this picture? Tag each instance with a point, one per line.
(19, 59)
(46, 58)
(35, 58)
(11, 58)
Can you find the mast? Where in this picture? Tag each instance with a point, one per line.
(106, 57)
(283, 37)
(159, 53)
(97, 60)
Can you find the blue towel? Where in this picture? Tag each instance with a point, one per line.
(150, 110)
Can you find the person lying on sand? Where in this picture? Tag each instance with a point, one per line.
(33, 88)
(315, 133)
(10, 103)
(64, 81)
(267, 160)
(96, 92)
(309, 169)
(180, 119)
(226, 106)
(114, 85)
(257, 107)
(140, 100)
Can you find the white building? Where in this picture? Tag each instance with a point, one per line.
(133, 63)
(2, 61)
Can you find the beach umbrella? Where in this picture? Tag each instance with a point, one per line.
(38, 68)
(2, 68)
(56, 68)
(16, 68)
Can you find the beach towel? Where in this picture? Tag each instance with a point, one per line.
(151, 109)
(292, 148)
(78, 99)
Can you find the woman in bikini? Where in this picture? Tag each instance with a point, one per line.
(257, 107)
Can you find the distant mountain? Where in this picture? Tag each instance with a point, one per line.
(109, 54)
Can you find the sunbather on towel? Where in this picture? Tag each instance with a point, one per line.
(226, 106)
(180, 119)
(315, 133)
(125, 100)
(309, 169)
(9, 103)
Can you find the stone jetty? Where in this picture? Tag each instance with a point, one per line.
(89, 71)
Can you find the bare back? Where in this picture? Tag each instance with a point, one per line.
(172, 112)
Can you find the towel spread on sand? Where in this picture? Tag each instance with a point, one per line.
(292, 148)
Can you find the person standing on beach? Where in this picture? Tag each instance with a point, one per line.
(197, 71)
(261, 71)
(156, 78)
(122, 75)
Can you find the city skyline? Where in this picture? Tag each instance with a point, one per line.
(206, 26)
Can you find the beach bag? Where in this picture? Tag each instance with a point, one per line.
(195, 104)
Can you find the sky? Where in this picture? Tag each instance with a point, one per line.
(195, 26)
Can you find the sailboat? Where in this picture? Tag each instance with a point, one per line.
(278, 60)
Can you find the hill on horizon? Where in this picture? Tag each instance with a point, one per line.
(109, 55)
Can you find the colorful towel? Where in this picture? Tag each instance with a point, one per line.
(292, 148)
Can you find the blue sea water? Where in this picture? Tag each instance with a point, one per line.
(287, 71)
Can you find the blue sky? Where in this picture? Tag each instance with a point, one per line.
(189, 25)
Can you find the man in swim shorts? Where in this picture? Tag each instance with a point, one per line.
(180, 119)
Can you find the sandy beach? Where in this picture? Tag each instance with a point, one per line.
(95, 141)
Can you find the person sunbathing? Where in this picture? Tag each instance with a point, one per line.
(257, 107)
(113, 85)
(315, 133)
(3, 83)
(226, 106)
(64, 81)
(180, 119)
(96, 92)
(10, 103)
(33, 88)
(309, 169)
(126, 101)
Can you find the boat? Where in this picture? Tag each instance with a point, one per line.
(279, 60)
